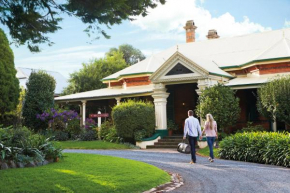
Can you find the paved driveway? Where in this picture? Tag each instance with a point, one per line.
(221, 176)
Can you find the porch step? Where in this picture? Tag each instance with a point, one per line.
(161, 146)
(167, 142)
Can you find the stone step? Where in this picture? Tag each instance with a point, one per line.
(172, 140)
(166, 143)
(173, 137)
(161, 146)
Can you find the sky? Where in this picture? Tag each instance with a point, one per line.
(161, 29)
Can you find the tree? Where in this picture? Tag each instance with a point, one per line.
(90, 76)
(29, 22)
(39, 97)
(220, 101)
(274, 99)
(9, 84)
(130, 54)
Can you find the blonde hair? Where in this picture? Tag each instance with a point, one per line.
(210, 120)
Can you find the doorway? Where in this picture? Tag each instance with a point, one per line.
(182, 98)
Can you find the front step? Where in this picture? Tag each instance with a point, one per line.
(167, 142)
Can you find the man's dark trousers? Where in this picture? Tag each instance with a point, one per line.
(192, 142)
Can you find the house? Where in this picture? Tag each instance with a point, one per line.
(24, 73)
(174, 78)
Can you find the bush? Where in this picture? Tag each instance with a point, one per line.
(220, 101)
(9, 84)
(38, 98)
(105, 129)
(133, 116)
(251, 128)
(21, 145)
(61, 136)
(89, 135)
(258, 147)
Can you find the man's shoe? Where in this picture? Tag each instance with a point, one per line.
(191, 162)
(211, 160)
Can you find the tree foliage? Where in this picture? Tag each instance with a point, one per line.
(274, 99)
(134, 118)
(30, 22)
(38, 98)
(90, 76)
(220, 101)
(130, 54)
(9, 84)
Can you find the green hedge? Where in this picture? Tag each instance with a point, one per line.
(258, 147)
(132, 117)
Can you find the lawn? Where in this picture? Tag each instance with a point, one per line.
(84, 173)
(205, 152)
(90, 145)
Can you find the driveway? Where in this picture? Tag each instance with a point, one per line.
(221, 176)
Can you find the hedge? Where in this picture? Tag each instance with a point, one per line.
(132, 118)
(258, 147)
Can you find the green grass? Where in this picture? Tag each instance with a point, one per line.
(205, 152)
(84, 173)
(90, 145)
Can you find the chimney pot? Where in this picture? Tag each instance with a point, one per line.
(212, 34)
(190, 31)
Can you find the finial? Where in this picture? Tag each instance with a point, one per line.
(177, 47)
(283, 34)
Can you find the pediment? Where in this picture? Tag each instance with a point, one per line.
(178, 68)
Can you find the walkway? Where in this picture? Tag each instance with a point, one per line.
(221, 176)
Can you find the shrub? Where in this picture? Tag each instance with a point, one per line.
(21, 145)
(274, 99)
(9, 84)
(38, 98)
(61, 136)
(251, 128)
(220, 101)
(89, 135)
(112, 136)
(105, 129)
(258, 147)
(132, 116)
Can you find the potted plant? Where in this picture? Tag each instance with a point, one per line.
(171, 127)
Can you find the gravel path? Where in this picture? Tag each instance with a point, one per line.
(221, 176)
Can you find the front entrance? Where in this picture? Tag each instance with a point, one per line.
(182, 98)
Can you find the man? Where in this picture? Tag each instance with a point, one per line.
(192, 128)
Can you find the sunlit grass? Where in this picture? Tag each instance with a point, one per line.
(84, 173)
(205, 152)
(90, 145)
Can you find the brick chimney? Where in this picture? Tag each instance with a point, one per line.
(190, 31)
(212, 34)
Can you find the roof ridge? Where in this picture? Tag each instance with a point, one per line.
(269, 48)
(38, 69)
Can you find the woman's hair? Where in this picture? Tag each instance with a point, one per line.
(210, 120)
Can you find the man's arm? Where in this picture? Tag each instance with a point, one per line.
(198, 128)
(185, 129)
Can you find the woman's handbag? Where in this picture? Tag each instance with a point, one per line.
(183, 148)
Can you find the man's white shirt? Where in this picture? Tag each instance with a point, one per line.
(192, 127)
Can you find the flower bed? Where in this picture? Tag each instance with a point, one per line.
(21, 148)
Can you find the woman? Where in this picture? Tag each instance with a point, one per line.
(210, 129)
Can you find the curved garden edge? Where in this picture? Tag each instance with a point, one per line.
(12, 165)
(175, 182)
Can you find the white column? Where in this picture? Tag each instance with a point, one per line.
(84, 112)
(99, 120)
(118, 99)
(81, 115)
(160, 99)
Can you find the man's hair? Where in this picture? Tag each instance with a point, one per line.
(190, 113)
